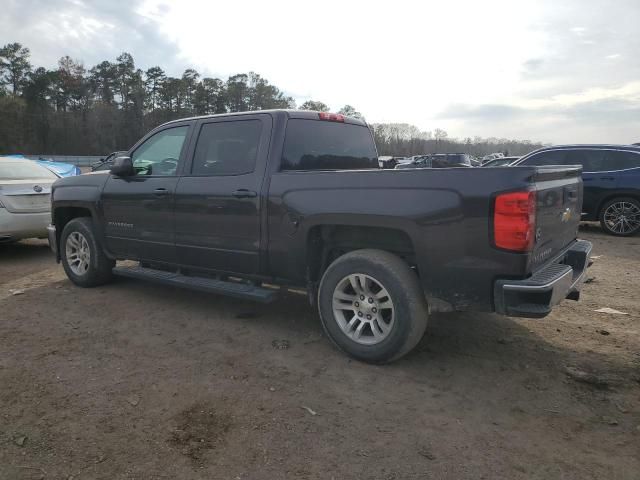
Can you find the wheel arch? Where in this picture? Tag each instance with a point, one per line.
(63, 214)
(613, 195)
(326, 242)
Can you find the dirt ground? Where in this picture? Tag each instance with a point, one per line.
(133, 380)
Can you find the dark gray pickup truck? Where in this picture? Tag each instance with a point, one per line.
(238, 203)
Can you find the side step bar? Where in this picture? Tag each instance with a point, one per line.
(208, 285)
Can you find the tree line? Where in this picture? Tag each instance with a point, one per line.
(76, 110)
(402, 139)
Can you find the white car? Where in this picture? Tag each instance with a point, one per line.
(25, 199)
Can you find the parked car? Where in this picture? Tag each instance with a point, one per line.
(388, 161)
(106, 162)
(500, 162)
(436, 160)
(25, 199)
(228, 203)
(611, 175)
(492, 156)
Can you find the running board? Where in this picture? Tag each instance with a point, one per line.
(208, 285)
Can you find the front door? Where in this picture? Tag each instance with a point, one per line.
(218, 199)
(138, 210)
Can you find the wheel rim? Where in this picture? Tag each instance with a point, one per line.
(78, 253)
(363, 309)
(622, 217)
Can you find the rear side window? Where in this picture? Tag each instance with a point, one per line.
(320, 145)
(591, 160)
(552, 157)
(24, 169)
(622, 160)
(227, 148)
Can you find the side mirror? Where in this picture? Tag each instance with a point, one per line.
(122, 167)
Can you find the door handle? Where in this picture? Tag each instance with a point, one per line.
(159, 192)
(607, 178)
(244, 193)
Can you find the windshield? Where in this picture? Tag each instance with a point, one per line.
(24, 170)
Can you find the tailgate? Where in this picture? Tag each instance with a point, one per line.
(558, 210)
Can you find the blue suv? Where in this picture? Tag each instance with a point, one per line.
(611, 176)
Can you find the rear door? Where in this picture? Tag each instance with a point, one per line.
(138, 210)
(597, 182)
(625, 166)
(218, 199)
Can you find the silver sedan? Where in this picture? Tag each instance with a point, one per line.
(25, 199)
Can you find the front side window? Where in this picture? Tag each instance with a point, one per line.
(227, 148)
(320, 145)
(160, 154)
(552, 157)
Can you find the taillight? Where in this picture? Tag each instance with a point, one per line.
(331, 117)
(514, 221)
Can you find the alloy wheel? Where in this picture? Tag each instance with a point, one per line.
(78, 253)
(363, 309)
(622, 217)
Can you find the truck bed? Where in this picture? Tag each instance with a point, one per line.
(445, 213)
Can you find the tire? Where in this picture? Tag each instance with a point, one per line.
(620, 216)
(397, 314)
(84, 261)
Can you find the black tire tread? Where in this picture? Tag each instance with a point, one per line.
(100, 268)
(416, 302)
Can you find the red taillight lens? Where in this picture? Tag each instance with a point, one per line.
(331, 117)
(514, 221)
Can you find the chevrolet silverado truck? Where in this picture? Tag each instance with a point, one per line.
(245, 204)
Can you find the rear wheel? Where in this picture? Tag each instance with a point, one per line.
(83, 260)
(372, 306)
(621, 216)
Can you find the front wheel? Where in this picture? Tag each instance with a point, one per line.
(372, 306)
(621, 216)
(83, 260)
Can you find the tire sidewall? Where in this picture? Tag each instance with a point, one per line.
(607, 205)
(402, 329)
(84, 226)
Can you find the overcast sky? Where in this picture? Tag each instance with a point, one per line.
(544, 70)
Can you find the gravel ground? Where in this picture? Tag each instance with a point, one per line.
(133, 380)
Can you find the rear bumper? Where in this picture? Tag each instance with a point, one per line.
(16, 226)
(535, 296)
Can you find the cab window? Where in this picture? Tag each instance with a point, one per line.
(159, 155)
(227, 148)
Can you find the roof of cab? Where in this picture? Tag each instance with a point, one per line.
(290, 113)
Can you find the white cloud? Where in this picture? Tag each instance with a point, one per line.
(404, 61)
